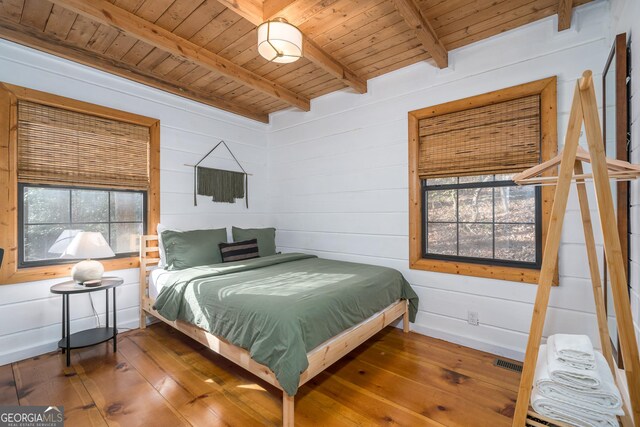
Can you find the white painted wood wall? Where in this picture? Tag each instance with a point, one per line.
(338, 179)
(29, 315)
(334, 180)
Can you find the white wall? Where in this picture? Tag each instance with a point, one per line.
(29, 315)
(626, 18)
(338, 179)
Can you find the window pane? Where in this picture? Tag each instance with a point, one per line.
(476, 205)
(46, 205)
(102, 228)
(70, 231)
(90, 206)
(478, 178)
(442, 181)
(441, 206)
(476, 219)
(476, 240)
(441, 239)
(505, 177)
(516, 242)
(54, 216)
(124, 237)
(38, 239)
(126, 206)
(515, 204)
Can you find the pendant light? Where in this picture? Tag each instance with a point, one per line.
(279, 41)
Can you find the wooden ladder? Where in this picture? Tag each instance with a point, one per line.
(584, 109)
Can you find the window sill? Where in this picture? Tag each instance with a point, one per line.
(514, 274)
(32, 274)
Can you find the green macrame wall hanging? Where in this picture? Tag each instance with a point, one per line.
(222, 186)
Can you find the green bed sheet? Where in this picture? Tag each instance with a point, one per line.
(282, 306)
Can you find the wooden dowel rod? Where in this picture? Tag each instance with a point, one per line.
(553, 184)
(630, 174)
(551, 180)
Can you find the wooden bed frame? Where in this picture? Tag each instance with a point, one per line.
(319, 358)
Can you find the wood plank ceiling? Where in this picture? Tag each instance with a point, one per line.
(206, 50)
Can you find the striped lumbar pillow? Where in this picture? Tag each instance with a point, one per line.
(239, 250)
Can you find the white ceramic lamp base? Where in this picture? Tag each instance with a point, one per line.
(87, 270)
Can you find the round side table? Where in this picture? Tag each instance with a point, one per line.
(92, 336)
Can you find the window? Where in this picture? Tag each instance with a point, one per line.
(466, 215)
(485, 219)
(51, 216)
(65, 166)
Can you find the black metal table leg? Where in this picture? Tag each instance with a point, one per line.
(64, 320)
(68, 331)
(115, 324)
(106, 311)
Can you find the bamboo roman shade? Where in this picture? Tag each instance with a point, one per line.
(500, 138)
(63, 147)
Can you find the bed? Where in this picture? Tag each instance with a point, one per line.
(284, 317)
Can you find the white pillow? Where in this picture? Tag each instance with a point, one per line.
(163, 256)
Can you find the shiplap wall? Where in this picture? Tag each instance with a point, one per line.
(338, 179)
(29, 315)
(626, 19)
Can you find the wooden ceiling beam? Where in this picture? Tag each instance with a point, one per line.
(251, 10)
(48, 43)
(314, 53)
(106, 13)
(328, 63)
(294, 11)
(413, 16)
(271, 8)
(564, 14)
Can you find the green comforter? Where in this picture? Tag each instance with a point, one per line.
(282, 306)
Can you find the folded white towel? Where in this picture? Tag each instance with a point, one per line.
(569, 414)
(605, 400)
(573, 350)
(568, 375)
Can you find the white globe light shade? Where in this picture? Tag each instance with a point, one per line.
(279, 41)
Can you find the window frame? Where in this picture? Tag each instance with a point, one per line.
(10, 272)
(48, 262)
(478, 260)
(547, 90)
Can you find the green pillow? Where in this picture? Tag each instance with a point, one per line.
(186, 249)
(266, 238)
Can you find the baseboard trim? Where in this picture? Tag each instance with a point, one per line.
(492, 348)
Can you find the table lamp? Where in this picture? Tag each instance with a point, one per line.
(88, 244)
(63, 240)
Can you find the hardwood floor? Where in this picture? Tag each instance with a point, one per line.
(160, 377)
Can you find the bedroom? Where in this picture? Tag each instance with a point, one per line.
(333, 181)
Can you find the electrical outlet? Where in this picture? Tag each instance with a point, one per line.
(472, 318)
